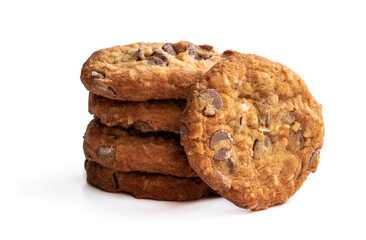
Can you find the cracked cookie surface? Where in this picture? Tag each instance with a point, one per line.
(130, 151)
(252, 131)
(149, 116)
(144, 71)
(146, 185)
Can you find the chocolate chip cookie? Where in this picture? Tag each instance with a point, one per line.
(144, 71)
(146, 185)
(129, 150)
(252, 131)
(149, 116)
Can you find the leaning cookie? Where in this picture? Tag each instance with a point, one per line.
(146, 185)
(149, 116)
(130, 151)
(144, 71)
(252, 131)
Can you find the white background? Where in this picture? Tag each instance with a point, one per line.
(44, 114)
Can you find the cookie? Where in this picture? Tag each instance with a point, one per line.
(149, 116)
(252, 131)
(130, 151)
(146, 185)
(144, 71)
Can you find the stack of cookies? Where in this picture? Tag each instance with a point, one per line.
(137, 97)
(250, 128)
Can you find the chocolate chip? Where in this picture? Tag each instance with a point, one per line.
(290, 117)
(183, 131)
(95, 74)
(141, 53)
(313, 157)
(206, 47)
(261, 147)
(227, 53)
(115, 181)
(299, 173)
(212, 101)
(222, 144)
(216, 98)
(160, 54)
(142, 126)
(207, 55)
(168, 47)
(231, 164)
(180, 46)
(102, 86)
(241, 122)
(225, 183)
(267, 118)
(192, 51)
(295, 141)
(256, 146)
(154, 61)
(301, 140)
(267, 141)
(106, 153)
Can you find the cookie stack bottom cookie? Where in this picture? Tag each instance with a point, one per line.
(145, 185)
(148, 165)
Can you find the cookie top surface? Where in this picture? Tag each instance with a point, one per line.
(144, 71)
(252, 131)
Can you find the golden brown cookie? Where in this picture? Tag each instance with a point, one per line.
(146, 185)
(144, 71)
(252, 131)
(149, 116)
(130, 151)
